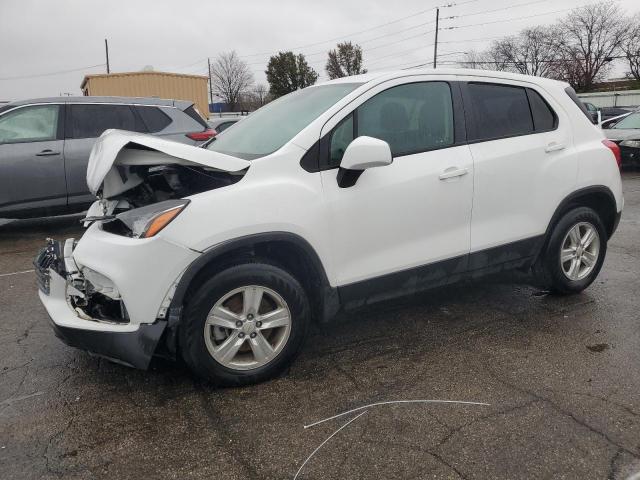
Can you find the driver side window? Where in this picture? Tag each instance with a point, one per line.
(411, 118)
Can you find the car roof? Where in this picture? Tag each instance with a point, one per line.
(181, 104)
(489, 74)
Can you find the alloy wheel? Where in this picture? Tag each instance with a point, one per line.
(580, 251)
(247, 328)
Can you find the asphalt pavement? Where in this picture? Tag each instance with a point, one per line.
(555, 383)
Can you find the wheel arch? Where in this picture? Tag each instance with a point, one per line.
(598, 197)
(283, 249)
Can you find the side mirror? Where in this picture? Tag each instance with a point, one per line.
(361, 154)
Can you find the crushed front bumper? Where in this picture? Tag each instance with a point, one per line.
(129, 344)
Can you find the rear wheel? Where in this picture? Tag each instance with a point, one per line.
(575, 252)
(244, 325)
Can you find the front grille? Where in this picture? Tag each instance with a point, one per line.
(47, 258)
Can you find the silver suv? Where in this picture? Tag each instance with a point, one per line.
(45, 145)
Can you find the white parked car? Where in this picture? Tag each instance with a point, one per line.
(333, 197)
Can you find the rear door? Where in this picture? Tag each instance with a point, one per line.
(520, 141)
(32, 179)
(84, 124)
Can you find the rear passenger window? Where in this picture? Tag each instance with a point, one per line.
(499, 111)
(90, 121)
(544, 118)
(153, 118)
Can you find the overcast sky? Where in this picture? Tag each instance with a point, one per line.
(38, 38)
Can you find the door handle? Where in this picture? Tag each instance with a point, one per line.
(452, 172)
(47, 153)
(554, 147)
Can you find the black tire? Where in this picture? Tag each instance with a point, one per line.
(549, 270)
(192, 339)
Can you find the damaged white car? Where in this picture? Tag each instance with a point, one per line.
(333, 197)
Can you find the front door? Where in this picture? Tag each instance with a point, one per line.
(32, 179)
(405, 226)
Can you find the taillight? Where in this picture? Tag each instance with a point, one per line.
(202, 136)
(615, 149)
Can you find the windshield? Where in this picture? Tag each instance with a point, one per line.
(269, 128)
(630, 121)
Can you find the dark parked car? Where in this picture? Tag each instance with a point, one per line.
(605, 112)
(45, 145)
(626, 133)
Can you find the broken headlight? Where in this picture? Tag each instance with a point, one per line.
(147, 221)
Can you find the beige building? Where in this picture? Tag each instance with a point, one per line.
(150, 84)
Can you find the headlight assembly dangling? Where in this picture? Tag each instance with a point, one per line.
(145, 222)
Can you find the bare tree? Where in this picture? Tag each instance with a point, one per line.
(476, 60)
(345, 60)
(531, 52)
(631, 47)
(261, 94)
(593, 34)
(230, 77)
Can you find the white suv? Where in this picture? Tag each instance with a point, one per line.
(333, 197)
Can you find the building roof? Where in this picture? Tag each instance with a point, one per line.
(138, 74)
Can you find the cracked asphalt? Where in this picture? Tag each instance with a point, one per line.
(561, 376)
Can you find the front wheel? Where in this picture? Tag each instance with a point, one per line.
(244, 325)
(575, 252)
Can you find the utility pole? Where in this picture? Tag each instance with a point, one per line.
(106, 50)
(210, 84)
(435, 44)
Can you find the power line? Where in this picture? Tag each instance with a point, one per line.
(508, 7)
(506, 20)
(324, 52)
(49, 74)
(345, 36)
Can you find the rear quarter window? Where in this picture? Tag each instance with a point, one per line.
(191, 112)
(574, 97)
(154, 119)
(544, 118)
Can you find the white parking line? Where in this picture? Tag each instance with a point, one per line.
(16, 273)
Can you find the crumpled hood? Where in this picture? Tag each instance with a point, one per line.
(117, 148)
(622, 133)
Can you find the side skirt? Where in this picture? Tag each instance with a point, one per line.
(493, 261)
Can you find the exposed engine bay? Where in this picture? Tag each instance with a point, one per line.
(165, 182)
(159, 184)
(130, 172)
